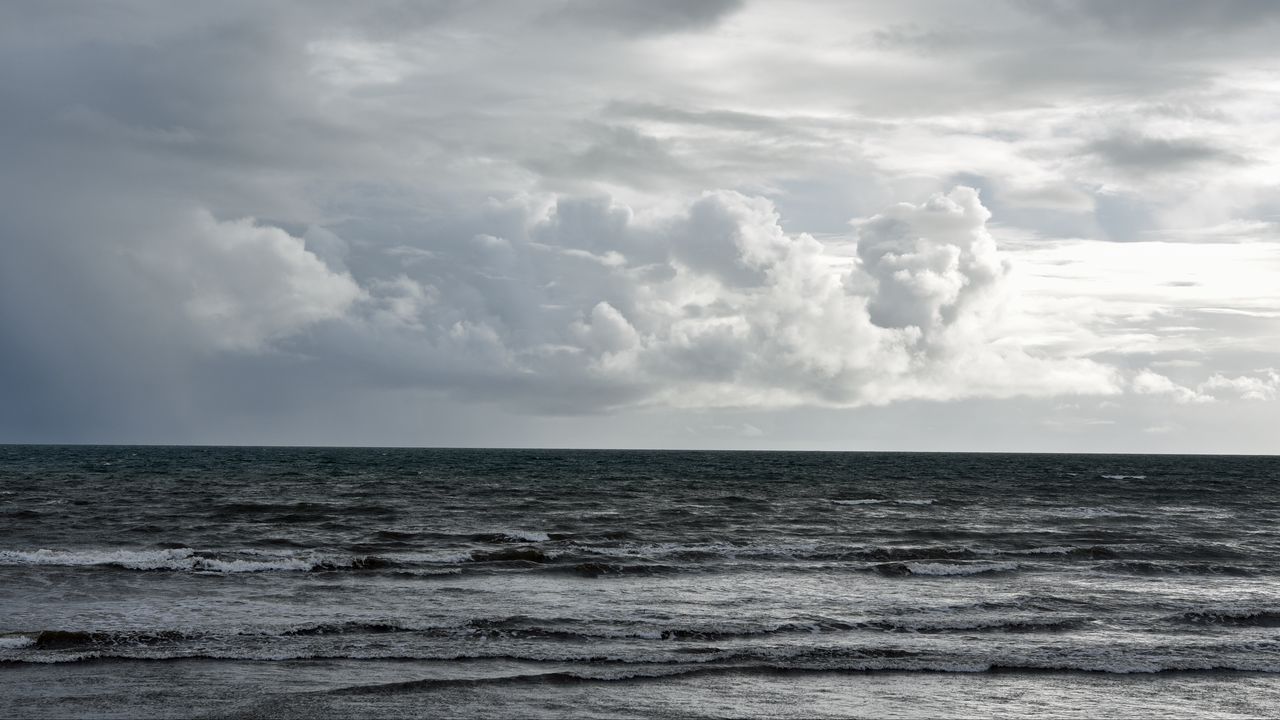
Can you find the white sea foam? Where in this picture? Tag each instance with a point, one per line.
(525, 535)
(242, 566)
(177, 559)
(1125, 477)
(930, 568)
(438, 557)
(726, 551)
(432, 572)
(1021, 621)
(898, 501)
(16, 642)
(1047, 550)
(1086, 512)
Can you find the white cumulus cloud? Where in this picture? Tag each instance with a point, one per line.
(715, 305)
(242, 285)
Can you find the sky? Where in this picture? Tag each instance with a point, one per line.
(965, 225)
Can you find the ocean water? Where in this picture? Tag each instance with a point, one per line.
(268, 582)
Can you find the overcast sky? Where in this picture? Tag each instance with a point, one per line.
(1044, 226)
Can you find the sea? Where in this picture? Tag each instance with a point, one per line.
(153, 582)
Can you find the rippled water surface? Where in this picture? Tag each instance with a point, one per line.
(224, 581)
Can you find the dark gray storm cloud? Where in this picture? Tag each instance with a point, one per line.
(1134, 151)
(1154, 18)
(656, 16)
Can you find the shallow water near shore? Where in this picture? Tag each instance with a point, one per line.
(170, 582)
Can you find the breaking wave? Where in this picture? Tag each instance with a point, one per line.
(188, 560)
(938, 569)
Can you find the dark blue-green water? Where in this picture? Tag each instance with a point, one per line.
(349, 582)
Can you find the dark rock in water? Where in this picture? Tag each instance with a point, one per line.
(526, 553)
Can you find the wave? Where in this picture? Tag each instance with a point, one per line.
(817, 551)
(312, 510)
(606, 667)
(524, 554)
(891, 501)
(601, 569)
(630, 675)
(189, 560)
(1094, 552)
(1089, 513)
(170, 643)
(776, 551)
(76, 639)
(1238, 617)
(1024, 624)
(1151, 567)
(938, 569)
(16, 641)
(606, 559)
(512, 536)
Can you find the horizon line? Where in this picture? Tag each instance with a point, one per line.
(513, 448)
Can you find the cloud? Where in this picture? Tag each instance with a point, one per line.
(654, 16)
(1161, 17)
(243, 285)
(1263, 386)
(274, 210)
(715, 305)
(1148, 382)
(1134, 151)
(594, 307)
(934, 266)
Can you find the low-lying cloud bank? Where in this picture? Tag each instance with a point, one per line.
(585, 306)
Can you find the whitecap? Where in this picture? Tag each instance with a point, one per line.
(526, 535)
(174, 559)
(16, 642)
(1047, 550)
(922, 568)
(242, 566)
